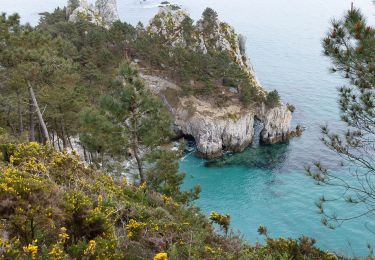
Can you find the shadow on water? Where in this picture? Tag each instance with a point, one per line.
(267, 157)
(259, 156)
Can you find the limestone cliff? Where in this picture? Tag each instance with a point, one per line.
(107, 10)
(104, 13)
(215, 128)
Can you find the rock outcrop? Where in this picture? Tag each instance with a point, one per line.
(215, 128)
(104, 13)
(219, 129)
(174, 25)
(107, 10)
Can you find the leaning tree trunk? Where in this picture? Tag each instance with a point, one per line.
(39, 113)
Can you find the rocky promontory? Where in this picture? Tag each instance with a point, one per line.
(215, 130)
(104, 13)
(219, 120)
(229, 126)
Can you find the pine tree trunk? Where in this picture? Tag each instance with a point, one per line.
(39, 113)
(31, 122)
(70, 142)
(85, 155)
(139, 161)
(63, 133)
(19, 110)
(135, 147)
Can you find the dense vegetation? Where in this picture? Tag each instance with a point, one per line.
(69, 67)
(199, 72)
(53, 206)
(63, 83)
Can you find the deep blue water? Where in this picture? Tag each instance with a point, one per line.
(267, 184)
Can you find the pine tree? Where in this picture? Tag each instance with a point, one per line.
(164, 177)
(350, 44)
(142, 116)
(37, 68)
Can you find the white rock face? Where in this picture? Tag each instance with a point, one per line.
(107, 10)
(104, 13)
(276, 124)
(87, 14)
(216, 130)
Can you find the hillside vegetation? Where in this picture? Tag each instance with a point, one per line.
(67, 84)
(55, 207)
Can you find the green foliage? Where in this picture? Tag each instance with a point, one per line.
(350, 45)
(209, 18)
(53, 206)
(273, 99)
(281, 248)
(138, 115)
(164, 177)
(222, 220)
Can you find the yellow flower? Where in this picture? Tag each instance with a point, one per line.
(32, 249)
(91, 248)
(134, 228)
(161, 256)
(143, 186)
(56, 253)
(63, 235)
(209, 249)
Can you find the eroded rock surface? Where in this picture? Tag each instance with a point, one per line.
(215, 129)
(104, 13)
(219, 129)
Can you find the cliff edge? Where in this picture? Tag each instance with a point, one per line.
(216, 126)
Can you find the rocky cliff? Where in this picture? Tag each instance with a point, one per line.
(215, 128)
(104, 13)
(175, 26)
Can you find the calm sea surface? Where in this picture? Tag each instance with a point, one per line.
(266, 184)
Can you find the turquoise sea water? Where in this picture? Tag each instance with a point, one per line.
(266, 184)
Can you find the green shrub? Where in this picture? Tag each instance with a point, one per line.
(273, 99)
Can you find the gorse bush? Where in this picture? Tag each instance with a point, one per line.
(54, 207)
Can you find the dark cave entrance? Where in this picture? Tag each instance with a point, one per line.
(258, 127)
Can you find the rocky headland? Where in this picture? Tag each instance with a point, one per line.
(216, 125)
(228, 127)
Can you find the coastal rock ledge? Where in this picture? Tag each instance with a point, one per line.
(215, 125)
(229, 128)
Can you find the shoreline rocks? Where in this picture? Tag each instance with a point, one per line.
(220, 129)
